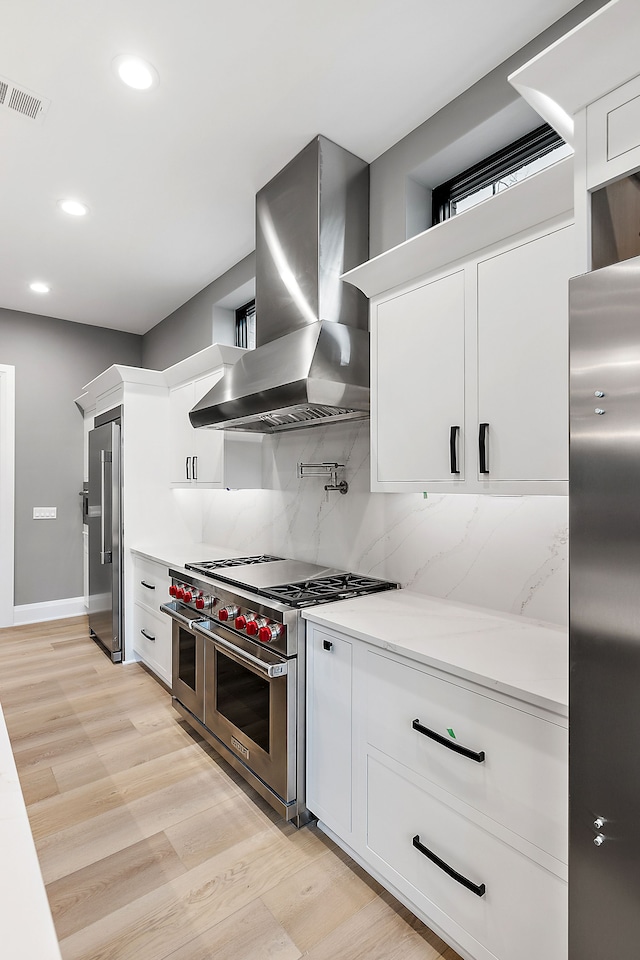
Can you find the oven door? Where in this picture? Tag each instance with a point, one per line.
(250, 705)
(187, 654)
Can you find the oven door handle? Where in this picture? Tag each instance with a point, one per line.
(171, 610)
(269, 670)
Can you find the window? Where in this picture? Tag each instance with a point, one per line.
(515, 162)
(246, 326)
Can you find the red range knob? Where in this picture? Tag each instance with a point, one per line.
(188, 596)
(227, 613)
(180, 593)
(240, 622)
(199, 603)
(267, 634)
(254, 625)
(173, 590)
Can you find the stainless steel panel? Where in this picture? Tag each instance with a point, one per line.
(615, 216)
(275, 762)
(311, 226)
(604, 772)
(306, 377)
(104, 520)
(187, 663)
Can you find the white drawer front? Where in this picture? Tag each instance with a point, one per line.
(523, 911)
(152, 640)
(522, 782)
(151, 583)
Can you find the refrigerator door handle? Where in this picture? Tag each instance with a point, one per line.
(106, 556)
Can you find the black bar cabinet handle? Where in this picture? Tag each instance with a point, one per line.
(327, 644)
(149, 586)
(478, 888)
(149, 636)
(187, 467)
(453, 449)
(482, 447)
(195, 468)
(449, 744)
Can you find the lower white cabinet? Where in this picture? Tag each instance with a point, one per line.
(329, 671)
(450, 794)
(151, 640)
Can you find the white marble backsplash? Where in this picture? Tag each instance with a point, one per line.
(506, 553)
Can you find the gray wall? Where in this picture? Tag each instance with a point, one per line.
(54, 359)
(204, 319)
(482, 119)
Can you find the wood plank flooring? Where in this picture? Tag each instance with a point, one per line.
(151, 847)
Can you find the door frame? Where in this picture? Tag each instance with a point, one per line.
(7, 491)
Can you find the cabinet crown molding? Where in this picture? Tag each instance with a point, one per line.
(542, 197)
(594, 58)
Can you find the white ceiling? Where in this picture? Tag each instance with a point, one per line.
(170, 175)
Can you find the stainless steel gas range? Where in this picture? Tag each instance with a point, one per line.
(239, 662)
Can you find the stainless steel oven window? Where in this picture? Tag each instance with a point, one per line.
(243, 698)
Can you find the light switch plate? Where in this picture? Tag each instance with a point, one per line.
(45, 513)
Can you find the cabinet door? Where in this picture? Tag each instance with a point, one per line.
(182, 445)
(207, 445)
(613, 134)
(418, 382)
(523, 358)
(329, 672)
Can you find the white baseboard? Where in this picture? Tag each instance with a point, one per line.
(49, 610)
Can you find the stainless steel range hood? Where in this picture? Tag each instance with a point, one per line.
(311, 365)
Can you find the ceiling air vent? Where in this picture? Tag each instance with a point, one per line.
(20, 100)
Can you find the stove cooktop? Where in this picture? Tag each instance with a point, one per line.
(293, 582)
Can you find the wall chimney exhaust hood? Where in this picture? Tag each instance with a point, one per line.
(311, 364)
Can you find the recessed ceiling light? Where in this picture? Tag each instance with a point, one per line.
(135, 72)
(73, 207)
(38, 287)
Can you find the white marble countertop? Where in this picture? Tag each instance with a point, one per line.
(176, 554)
(522, 658)
(26, 927)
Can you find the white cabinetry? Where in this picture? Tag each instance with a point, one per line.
(522, 359)
(613, 134)
(419, 382)
(456, 799)
(469, 374)
(151, 637)
(329, 670)
(202, 457)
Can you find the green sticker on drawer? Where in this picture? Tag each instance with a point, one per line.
(451, 733)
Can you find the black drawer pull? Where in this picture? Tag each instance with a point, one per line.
(482, 448)
(449, 744)
(478, 888)
(149, 636)
(327, 644)
(453, 449)
(149, 586)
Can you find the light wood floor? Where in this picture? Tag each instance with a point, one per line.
(151, 847)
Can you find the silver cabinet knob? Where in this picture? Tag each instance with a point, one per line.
(599, 840)
(599, 411)
(599, 393)
(598, 823)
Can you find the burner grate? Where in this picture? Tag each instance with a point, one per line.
(325, 589)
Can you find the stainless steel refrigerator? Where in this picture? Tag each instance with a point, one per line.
(104, 517)
(604, 686)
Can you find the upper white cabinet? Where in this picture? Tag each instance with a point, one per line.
(469, 374)
(522, 360)
(613, 134)
(469, 330)
(418, 382)
(201, 457)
